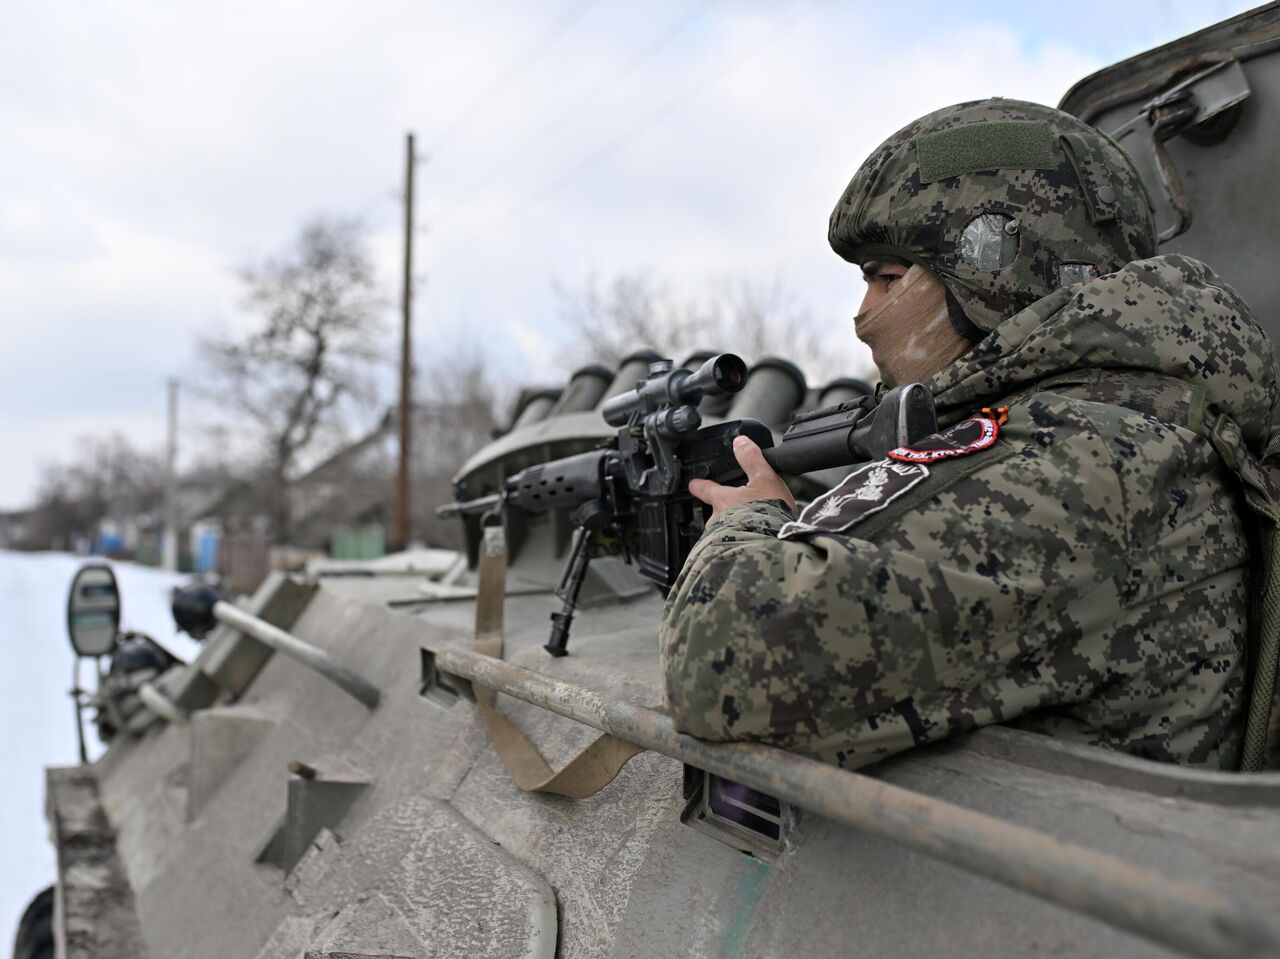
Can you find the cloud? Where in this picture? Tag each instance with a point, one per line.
(535, 349)
(35, 229)
(152, 148)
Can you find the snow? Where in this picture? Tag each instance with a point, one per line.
(36, 718)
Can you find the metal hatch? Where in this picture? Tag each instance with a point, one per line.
(1198, 116)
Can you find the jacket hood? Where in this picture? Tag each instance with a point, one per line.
(1167, 314)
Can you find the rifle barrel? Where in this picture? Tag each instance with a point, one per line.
(466, 507)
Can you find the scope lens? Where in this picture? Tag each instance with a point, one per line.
(730, 373)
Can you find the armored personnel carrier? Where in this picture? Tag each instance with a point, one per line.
(385, 761)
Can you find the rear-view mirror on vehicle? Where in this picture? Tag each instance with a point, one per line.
(93, 610)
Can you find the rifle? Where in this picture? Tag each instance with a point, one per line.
(640, 479)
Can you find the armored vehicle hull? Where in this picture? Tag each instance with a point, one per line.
(409, 838)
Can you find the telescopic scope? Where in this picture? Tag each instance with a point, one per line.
(725, 373)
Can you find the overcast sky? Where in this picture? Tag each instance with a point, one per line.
(150, 148)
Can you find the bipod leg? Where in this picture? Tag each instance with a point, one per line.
(570, 586)
(77, 699)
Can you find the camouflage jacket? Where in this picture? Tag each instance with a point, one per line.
(1083, 575)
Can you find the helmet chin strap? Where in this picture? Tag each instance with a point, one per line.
(961, 323)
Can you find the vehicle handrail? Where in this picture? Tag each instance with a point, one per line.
(1183, 916)
(311, 656)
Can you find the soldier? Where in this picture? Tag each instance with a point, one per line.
(1067, 554)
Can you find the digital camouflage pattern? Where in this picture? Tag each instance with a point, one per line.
(1084, 577)
(1073, 193)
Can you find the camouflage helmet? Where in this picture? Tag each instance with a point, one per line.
(1003, 200)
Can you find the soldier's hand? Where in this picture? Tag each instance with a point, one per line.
(762, 482)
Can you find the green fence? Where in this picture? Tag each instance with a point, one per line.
(365, 542)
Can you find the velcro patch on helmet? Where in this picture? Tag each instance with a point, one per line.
(994, 145)
(967, 436)
(868, 489)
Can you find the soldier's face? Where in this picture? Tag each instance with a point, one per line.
(880, 279)
(906, 324)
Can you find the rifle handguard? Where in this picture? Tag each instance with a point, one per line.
(855, 431)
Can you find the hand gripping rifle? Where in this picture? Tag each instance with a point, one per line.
(640, 480)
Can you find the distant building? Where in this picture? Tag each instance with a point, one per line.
(16, 529)
(344, 504)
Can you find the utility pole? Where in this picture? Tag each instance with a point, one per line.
(169, 545)
(400, 522)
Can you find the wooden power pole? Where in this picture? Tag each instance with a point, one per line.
(169, 541)
(400, 522)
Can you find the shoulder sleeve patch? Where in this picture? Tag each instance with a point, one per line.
(868, 489)
(967, 436)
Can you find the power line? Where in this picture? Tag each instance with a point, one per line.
(594, 95)
(376, 203)
(566, 17)
(664, 110)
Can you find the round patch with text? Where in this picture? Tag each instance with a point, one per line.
(967, 436)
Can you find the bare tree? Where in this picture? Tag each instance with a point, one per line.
(106, 477)
(631, 311)
(765, 318)
(753, 318)
(312, 352)
(459, 404)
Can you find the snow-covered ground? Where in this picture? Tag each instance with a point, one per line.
(36, 718)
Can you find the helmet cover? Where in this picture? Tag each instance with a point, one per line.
(1004, 201)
